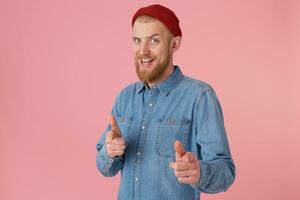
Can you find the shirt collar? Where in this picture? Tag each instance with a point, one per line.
(167, 85)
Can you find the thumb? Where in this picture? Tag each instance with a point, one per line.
(112, 134)
(179, 149)
(114, 126)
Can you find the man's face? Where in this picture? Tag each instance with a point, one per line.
(151, 46)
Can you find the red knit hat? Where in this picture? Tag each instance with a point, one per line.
(163, 14)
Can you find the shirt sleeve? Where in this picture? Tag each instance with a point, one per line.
(216, 165)
(106, 165)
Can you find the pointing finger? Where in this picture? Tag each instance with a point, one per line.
(114, 125)
(179, 149)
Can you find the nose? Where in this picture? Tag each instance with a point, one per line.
(144, 49)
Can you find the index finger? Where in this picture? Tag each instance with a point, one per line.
(113, 123)
(179, 149)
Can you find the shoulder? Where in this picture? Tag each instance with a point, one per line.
(126, 97)
(129, 90)
(197, 86)
(205, 95)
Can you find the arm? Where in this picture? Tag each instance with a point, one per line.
(108, 165)
(216, 165)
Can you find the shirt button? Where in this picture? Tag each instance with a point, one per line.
(150, 104)
(143, 127)
(136, 179)
(138, 153)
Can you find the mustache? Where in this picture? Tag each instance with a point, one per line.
(144, 57)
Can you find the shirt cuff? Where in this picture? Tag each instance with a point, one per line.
(109, 161)
(202, 179)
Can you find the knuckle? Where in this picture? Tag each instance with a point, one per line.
(176, 167)
(194, 172)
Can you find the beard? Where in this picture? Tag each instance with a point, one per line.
(156, 73)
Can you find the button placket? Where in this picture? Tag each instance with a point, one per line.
(150, 100)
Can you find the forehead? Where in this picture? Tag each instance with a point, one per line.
(146, 29)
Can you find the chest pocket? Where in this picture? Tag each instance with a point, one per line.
(167, 132)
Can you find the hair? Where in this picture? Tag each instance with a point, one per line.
(147, 18)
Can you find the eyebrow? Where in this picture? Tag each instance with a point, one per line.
(147, 37)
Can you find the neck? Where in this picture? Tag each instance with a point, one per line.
(169, 70)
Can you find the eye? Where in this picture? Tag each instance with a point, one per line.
(136, 40)
(154, 41)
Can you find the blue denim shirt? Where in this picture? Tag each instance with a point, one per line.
(151, 120)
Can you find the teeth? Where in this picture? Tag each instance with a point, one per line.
(146, 60)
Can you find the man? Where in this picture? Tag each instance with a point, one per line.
(166, 132)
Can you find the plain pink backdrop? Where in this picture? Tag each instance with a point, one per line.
(62, 63)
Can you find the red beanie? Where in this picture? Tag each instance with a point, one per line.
(163, 14)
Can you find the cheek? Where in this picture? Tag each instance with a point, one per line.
(161, 56)
(162, 51)
(135, 50)
(157, 53)
(135, 55)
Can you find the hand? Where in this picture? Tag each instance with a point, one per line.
(186, 166)
(114, 141)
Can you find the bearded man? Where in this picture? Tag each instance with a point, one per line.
(166, 132)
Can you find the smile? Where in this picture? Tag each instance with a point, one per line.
(146, 60)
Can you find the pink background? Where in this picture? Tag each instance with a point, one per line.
(63, 62)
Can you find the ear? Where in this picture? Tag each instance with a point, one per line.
(175, 44)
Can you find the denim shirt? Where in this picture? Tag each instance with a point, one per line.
(151, 120)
